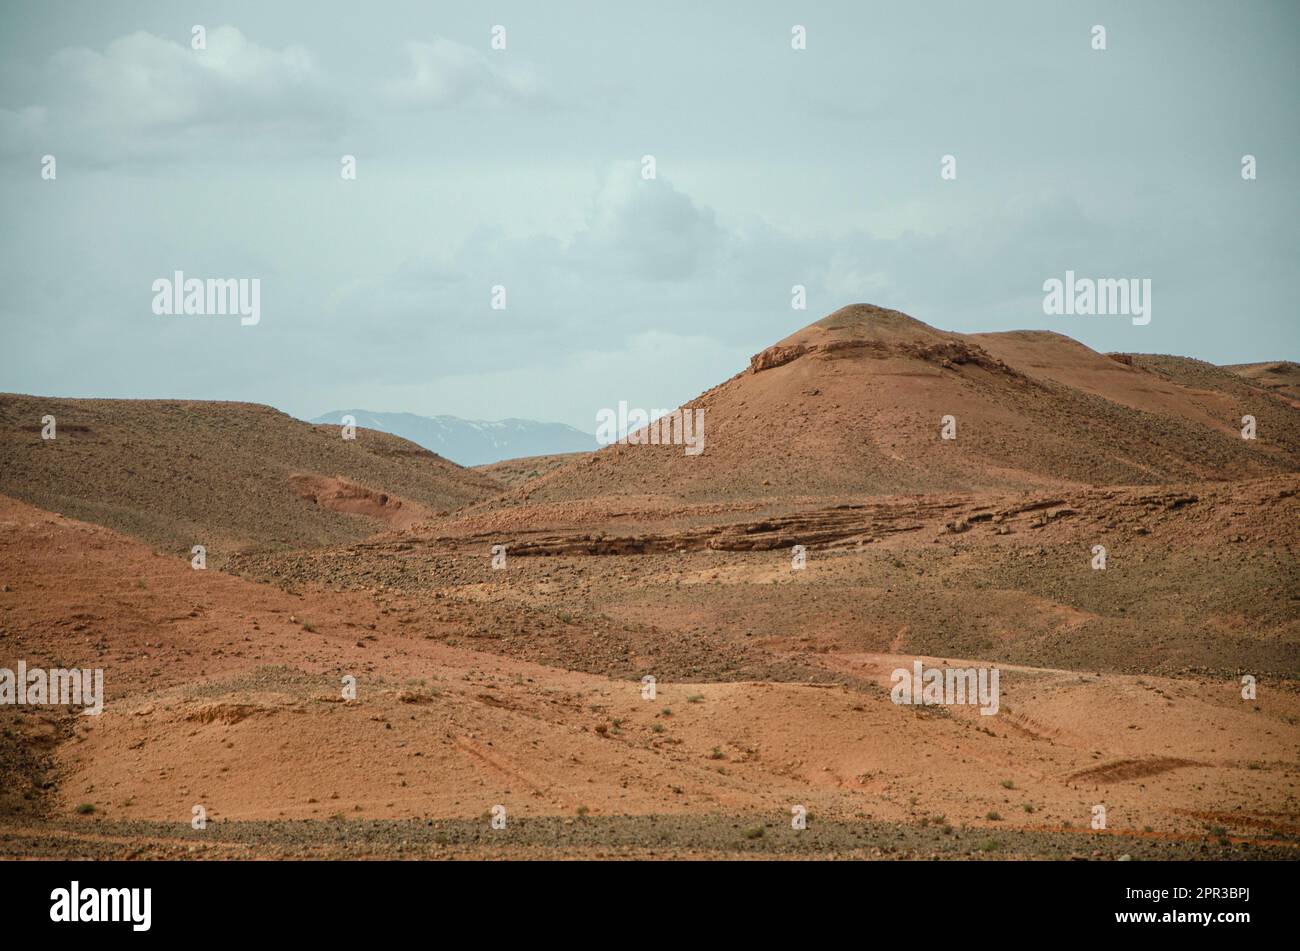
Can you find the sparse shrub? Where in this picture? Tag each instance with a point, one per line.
(993, 815)
(1008, 784)
(695, 698)
(85, 808)
(757, 832)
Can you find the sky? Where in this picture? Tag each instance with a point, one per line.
(523, 168)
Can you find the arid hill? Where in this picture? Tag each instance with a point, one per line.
(512, 472)
(1281, 376)
(854, 403)
(223, 475)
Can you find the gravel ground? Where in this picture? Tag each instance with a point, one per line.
(711, 836)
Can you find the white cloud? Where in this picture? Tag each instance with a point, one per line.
(142, 81)
(146, 95)
(444, 73)
(648, 229)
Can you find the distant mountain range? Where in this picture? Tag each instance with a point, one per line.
(472, 442)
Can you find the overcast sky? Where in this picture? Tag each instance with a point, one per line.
(522, 167)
